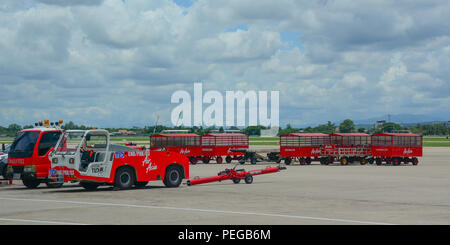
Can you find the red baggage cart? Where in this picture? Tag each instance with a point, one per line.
(396, 148)
(306, 147)
(346, 148)
(217, 145)
(185, 144)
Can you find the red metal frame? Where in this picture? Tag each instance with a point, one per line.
(391, 147)
(203, 147)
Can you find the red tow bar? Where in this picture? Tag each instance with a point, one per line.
(235, 175)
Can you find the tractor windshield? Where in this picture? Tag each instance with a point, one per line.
(69, 143)
(23, 145)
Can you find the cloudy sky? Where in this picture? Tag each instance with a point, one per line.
(116, 63)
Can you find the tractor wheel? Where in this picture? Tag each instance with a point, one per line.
(173, 176)
(124, 178)
(31, 183)
(89, 186)
(248, 179)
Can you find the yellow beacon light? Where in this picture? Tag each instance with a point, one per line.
(46, 123)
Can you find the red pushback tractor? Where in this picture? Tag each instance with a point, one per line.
(217, 145)
(304, 146)
(185, 144)
(346, 148)
(395, 148)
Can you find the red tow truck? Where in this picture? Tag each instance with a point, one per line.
(28, 157)
(89, 157)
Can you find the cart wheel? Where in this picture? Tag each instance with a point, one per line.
(253, 160)
(344, 161)
(308, 160)
(363, 161)
(206, 160)
(396, 161)
(193, 160)
(287, 161)
(415, 161)
(241, 160)
(302, 161)
(219, 160)
(236, 180)
(370, 160)
(228, 159)
(248, 179)
(378, 161)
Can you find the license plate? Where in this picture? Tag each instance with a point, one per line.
(16, 176)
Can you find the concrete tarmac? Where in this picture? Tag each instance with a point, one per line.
(301, 195)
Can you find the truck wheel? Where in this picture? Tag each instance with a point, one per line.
(124, 178)
(89, 186)
(228, 159)
(173, 177)
(31, 183)
(248, 179)
(54, 185)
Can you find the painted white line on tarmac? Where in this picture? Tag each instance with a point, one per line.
(41, 221)
(202, 210)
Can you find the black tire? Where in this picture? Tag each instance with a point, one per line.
(219, 160)
(378, 161)
(236, 180)
(193, 160)
(308, 161)
(89, 186)
(396, 161)
(344, 161)
(287, 161)
(54, 185)
(141, 184)
(248, 179)
(173, 176)
(253, 160)
(415, 161)
(363, 161)
(241, 160)
(370, 160)
(31, 183)
(228, 159)
(124, 178)
(205, 160)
